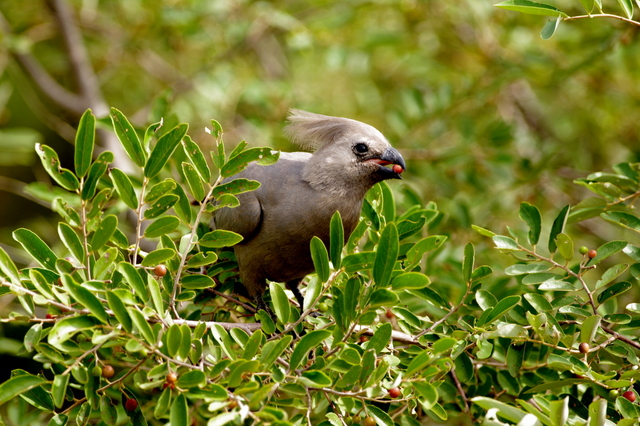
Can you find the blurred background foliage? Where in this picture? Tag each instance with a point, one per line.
(486, 113)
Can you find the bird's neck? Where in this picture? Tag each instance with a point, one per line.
(330, 176)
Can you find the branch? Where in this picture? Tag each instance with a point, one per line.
(603, 15)
(86, 79)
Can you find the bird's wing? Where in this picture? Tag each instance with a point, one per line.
(244, 219)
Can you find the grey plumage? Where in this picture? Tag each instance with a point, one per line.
(299, 194)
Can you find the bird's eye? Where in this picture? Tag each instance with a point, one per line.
(361, 148)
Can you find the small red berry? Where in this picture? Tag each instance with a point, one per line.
(592, 253)
(49, 316)
(160, 270)
(394, 392)
(131, 404)
(584, 348)
(108, 371)
(397, 168)
(630, 395)
(389, 314)
(363, 338)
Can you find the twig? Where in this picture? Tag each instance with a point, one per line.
(461, 391)
(602, 15)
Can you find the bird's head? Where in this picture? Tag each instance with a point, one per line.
(345, 150)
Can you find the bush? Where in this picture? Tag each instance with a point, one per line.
(135, 321)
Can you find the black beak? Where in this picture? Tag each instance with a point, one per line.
(393, 157)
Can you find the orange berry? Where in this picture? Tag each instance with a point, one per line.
(160, 270)
(592, 253)
(108, 371)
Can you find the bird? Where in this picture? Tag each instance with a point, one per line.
(299, 194)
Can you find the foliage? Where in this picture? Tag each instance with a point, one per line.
(590, 6)
(134, 335)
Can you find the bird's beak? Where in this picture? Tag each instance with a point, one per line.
(392, 157)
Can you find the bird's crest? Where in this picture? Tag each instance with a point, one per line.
(313, 131)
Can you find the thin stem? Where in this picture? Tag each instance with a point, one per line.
(139, 217)
(187, 249)
(602, 15)
(568, 271)
(448, 314)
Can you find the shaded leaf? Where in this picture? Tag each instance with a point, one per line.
(531, 216)
(164, 149)
(320, 258)
(220, 238)
(123, 185)
(386, 255)
(37, 248)
(558, 227)
(64, 177)
(84, 143)
(19, 384)
(306, 344)
(128, 137)
(96, 171)
(196, 157)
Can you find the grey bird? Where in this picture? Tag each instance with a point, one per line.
(300, 193)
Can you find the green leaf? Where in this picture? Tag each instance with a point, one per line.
(9, 269)
(141, 324)
(194, 180)
(550, 28)
(162, 226)
(104, 232)
(241, 160)
(85, 140)
(386, 255)
(64, 177)
(515, 356)
(625, 219)
(173, 338)
(307, 343)
(410, 280)
(64, 328)
(468, 261)
(588, 5)
(382, 297)
(164, 149)
(71, 240)
(531, 7)
(589, 328)
(123, 185)
(148, 134)
(505, 410)
(380, 338)
(179, 413)
(37, 248)
(273, 349)
(235, 187)
(222, 337)
(128, 137)
(464, 367)
(531, 216)
(382, 418)
(565, 246)
(502, 307)
(160, 206)
(202, 259)
(97, 169)
(505, 243)
(134, 279)
(19, 384)
(558, 228)
(627, 7)
(320, 258)
(280, 302)
(158, 256)
(606, 250)
(119, 310)
(611, 274)
(197, 158)
(220, 238)
(183, 206)
(191, 379)
(59, 388)
(160, 189)
(614, 291)
(336, 240)
(86, 298)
